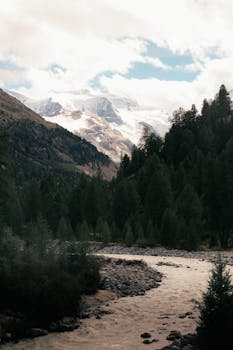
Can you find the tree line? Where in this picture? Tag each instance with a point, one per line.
(176, 191)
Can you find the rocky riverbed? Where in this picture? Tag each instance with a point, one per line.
(166, 313)
(119, 277)
(128, 277)
(208, 255)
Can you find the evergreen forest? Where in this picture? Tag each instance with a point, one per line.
(175, 191)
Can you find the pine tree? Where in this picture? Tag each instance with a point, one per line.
(106, 234)
(95, 201)
(129, 238)
(10, 244)
(190, 210)
(159, 196)
(124, 166)
(99, 228)
(39, 235)
(64, 229)
(126, 202)
(151, 143)
(169, 228)
(180, 179)
(14, 213)
(139, 234)
(116, 234)
(83, 232)
(216, 311)
(10, 206)
(33, 201)
(152, 233)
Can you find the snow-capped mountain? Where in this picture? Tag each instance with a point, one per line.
(112, 123)
(96, 130)
(43, 107)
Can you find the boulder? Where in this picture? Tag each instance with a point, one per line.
(145, 335)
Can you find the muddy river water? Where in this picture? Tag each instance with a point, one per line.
(156, 312)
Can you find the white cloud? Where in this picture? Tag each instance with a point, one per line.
(169, 95)
(155, 62)
(90, 37)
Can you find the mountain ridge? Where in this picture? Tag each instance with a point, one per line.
(123, 118)
(39, 145)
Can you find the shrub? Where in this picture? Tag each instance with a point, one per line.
(45, 286)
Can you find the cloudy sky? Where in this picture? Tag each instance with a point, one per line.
(163, 53)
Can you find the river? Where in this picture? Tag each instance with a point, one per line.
(156, 312)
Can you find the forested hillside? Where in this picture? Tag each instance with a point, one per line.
(39, 147)
(176, 191)
(182, 186)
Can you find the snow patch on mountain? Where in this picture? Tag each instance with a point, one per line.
(46, 106)
(96, 130)
(112, 123)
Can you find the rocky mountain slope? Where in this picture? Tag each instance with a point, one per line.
(112, 123)
(39, 146)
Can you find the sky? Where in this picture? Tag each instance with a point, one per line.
(162, 53)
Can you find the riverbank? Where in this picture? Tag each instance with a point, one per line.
(207, 255)
(171, 307)
(118, 278)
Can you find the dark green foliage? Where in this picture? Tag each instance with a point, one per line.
(128, 234)
(151, 143)
(55, 149)
(106, 234)
(152, 233)
(33, 201)
(176, 191)
(103, 232)
(189, 210)
(169, 229)
(124, 166)
(42, 284)
(92, 203)
(10, 206)
(158, 196)
(64, 229)
(216, 312)
(189, 171)
(139, 233)
(126, 202)
(83, 232)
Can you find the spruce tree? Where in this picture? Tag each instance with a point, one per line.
(83, 232)
(106, 233)
(169, 229)
(215, 327)
(139, 234)
(129, 238)
(99, 228)
(190, 210)
(152, 233)
(159, 196)
(64, 229)
(33, 201)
